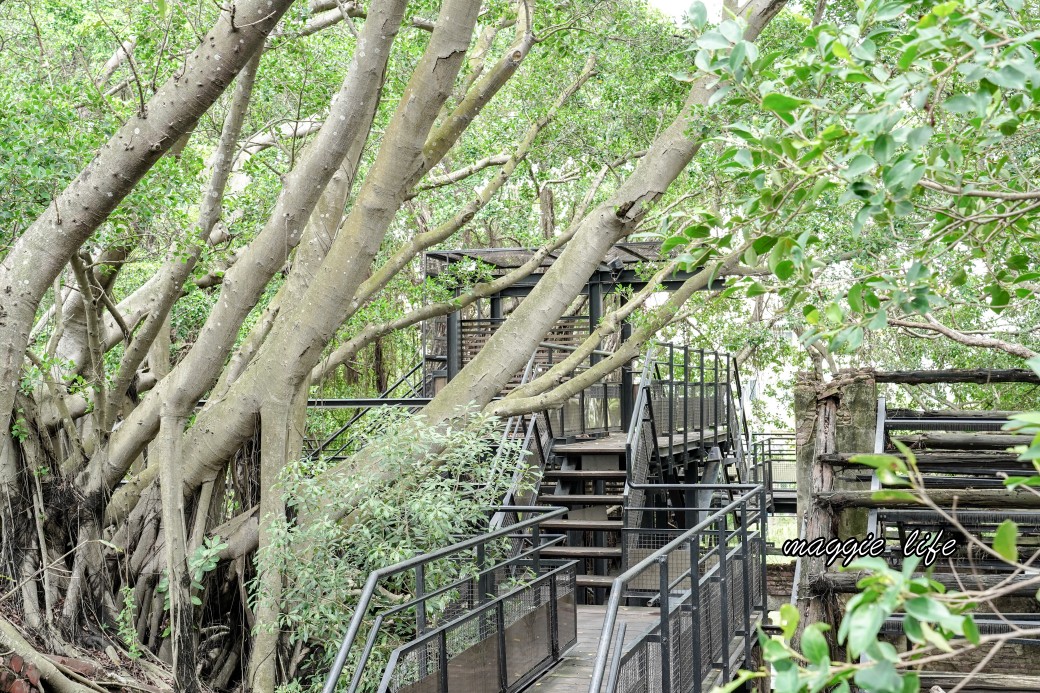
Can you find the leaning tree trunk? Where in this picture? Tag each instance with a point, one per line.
(40, 254)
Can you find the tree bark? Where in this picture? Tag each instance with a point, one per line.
(50, 242)
(244, 283)
(512, 344)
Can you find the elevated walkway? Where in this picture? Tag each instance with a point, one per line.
(647, 494)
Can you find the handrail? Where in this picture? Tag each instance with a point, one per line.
(439, 633)
(620, 583)
(379, 574)
(383, 395)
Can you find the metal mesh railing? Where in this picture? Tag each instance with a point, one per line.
(709, 585)
(773, 460)
(480, 570)
(501, 646)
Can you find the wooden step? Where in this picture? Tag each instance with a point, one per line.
(582, 525)
(593, 474)
(595, 581)
(584, 499)
(582, 552)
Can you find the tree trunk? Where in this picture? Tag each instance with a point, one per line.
(36, 258)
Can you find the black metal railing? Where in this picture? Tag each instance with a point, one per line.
(500, 646)
(406, 391)
(773, 460)
(487, 570)
(535, 456)
(595, 410)
(688, 403)
(709, 585)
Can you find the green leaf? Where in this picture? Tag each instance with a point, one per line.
(880, 678)
(926, 609)
(784, 270)
(971, 630)
(774, 651)
(864, 624)
(884, 146)
(814, 645)
(834, 313)
(945, 9)
(854, 339)
(855, 298)
(889, 462)
(1005, 541)
(698, 15)
(912, 628)
(878, 321)
(788, 620)
(713, 40)
(859, 165)
(998, 297)
(781, 103)
(935, 638)
(959, 104)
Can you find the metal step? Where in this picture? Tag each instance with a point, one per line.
(585, 499)
(582, 525)
(582, 552)
(595, 581)
(593, 474)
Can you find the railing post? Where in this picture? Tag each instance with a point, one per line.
(671, 393)
(482, 578)
(554, 617)
(420, 606)
(695, 614)
(745, 572)
(615, 667)
(666, 635)
(715, 399)
(700, 405)
(686, 404)
(454, 344)
(500, 626)
(724, 595)
(763, 592)
(442, 675)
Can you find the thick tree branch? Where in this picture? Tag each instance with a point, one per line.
(971, 340)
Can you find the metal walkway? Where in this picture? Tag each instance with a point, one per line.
(652, 504)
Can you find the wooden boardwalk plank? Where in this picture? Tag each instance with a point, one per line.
(574, 672)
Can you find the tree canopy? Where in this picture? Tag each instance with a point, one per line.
(228, 204)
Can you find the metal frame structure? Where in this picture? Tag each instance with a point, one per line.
(704, 566)
(477, 585)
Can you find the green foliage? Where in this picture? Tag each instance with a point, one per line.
(936, 622)
(444, 481)
(126, 621)
(906, 138)
(203, 560)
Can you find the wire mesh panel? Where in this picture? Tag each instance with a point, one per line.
(418, 669)
(501, 645)
(566, 609)
(708, 585)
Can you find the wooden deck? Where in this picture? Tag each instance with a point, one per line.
(614, 443)
(573, 674)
